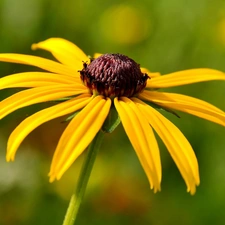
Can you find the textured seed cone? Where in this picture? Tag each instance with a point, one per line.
(113, 75)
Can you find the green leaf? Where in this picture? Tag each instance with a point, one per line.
(71, 116)
(162, 108)
(112, 121)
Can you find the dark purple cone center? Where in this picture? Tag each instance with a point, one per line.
(114, 75)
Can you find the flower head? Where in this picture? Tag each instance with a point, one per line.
(114, 75)
(94, 88)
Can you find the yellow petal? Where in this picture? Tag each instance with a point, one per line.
(32, 122)
(35, 79)
(42, 63)
(150, 74)
(177, 145)
(78, 135)
(37, 95)
(142, 138)
(96, 55)
(186, 104)
(185, 77)
(64, 51)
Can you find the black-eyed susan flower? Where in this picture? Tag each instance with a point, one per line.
(94, 88)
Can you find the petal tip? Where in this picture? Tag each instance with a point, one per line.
(192, 189)
(34, 47)
(10, 157)
(51, 178)
(157, 189)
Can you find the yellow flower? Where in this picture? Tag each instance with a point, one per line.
(94, 87)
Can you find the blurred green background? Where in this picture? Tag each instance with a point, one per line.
(161, 35)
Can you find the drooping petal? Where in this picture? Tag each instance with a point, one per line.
(177, 145)
(32, 122)
(78, 135)
(185, 77)
(35, 79)
(186, 104)
(45, 64)
(142, 138)
(150, 74)
(64, 51)
(37, 95)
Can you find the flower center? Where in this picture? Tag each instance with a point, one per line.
(113, 75)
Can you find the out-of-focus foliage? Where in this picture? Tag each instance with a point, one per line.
(162, 36)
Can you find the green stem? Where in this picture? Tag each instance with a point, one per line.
(77, 197)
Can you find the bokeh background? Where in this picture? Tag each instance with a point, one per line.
(161, 35)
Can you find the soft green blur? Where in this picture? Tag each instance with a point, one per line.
(162, 36)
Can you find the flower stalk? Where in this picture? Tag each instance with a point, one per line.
(86, 169)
